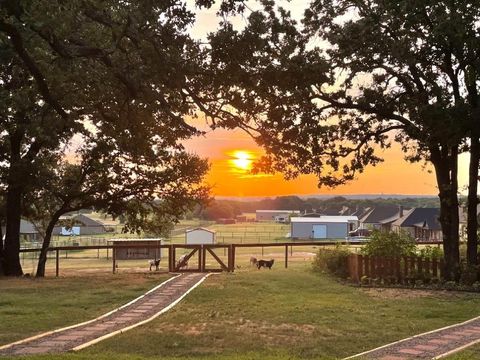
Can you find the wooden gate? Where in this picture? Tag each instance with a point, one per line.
(200, 252)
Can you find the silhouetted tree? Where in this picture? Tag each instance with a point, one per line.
(360, 75)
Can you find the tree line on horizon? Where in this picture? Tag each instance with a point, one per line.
(227, 209)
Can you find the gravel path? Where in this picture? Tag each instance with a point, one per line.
(135, 313)
(432, 345)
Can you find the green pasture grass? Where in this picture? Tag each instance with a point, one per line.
(472, 352)
(282, 313)
(29, 306)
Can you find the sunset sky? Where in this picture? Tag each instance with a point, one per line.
(231, 152)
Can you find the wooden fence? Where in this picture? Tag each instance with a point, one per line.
(201, 251)
(393, 269)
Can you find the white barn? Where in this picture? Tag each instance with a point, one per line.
(199, 236)
(323, 227)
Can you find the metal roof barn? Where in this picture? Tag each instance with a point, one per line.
(324, 227)
(199, 236)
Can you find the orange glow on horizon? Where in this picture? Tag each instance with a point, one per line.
(232, 153)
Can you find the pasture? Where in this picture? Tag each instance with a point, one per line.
(99, 261)
(273, 314)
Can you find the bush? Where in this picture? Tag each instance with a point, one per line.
(431, 252)
(469, 274)
(333, 261)
(390, 244)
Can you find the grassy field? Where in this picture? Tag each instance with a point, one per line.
(468, 354)
(29, 306)
(282, 314)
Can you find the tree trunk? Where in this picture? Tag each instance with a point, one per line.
(12, 233)
(42, 260)
(446, 163)
(472, 220)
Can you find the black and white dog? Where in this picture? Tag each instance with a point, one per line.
(155, 263)
(265, 263)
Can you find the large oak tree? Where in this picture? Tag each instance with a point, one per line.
(359, 75)
(126, 70)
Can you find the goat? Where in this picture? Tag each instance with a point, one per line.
(265, 263)
(182, 260)
(155, 263)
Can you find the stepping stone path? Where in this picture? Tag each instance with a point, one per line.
(432, 345)
(135, 313)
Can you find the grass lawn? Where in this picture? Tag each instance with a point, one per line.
(468, 354)
(283, 314)
(29, 306)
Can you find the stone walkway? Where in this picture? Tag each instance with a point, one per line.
(432, 345)
(135, 313)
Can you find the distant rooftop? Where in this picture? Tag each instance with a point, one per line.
(330, 219)
(422, 217)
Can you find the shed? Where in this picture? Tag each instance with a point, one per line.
(269, 215)
(137, 253)
(199, 236)
(323, 227)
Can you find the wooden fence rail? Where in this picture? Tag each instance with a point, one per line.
(393, 269)
(229, 251)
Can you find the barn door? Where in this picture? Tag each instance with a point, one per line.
(319, 231)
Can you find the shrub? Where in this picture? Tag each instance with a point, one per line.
(333, 261)
(468, 274)
(390, 244)
(430, 252)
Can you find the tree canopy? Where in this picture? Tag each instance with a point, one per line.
(326, 97)
(113, 76)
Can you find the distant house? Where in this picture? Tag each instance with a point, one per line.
(269, 215)
(421, 223)
(323, 227)
(374, 217)
(81, 224)
(28, 231)
(462, 215)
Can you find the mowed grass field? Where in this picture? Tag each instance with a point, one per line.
(29, 306)
(291, 313)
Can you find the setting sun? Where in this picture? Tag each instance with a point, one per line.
(241, 160)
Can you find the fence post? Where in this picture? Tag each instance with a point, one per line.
(286, 256)
(360, 266)
(229, 258)
(201, 257)
(113, 260)
(170, 261)
(353, 267)
(57, 262)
